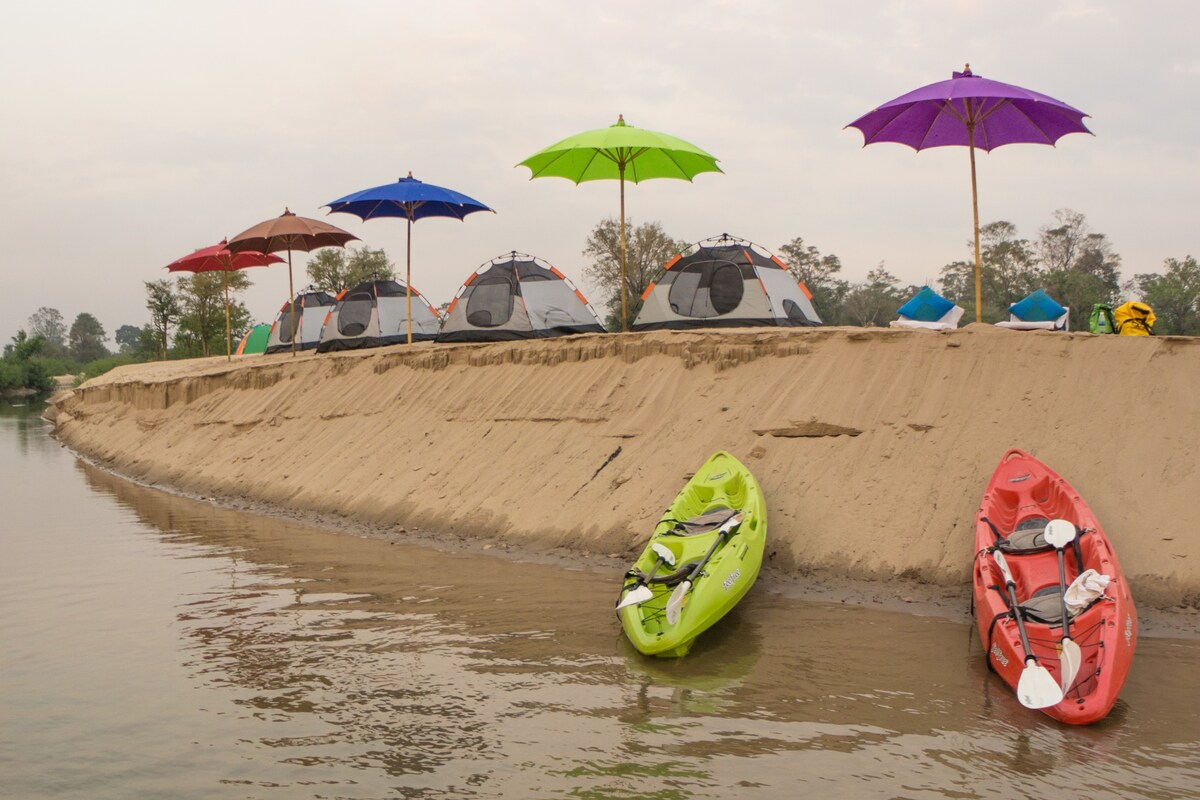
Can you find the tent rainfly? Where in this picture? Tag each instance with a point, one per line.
(373, 314)
(517, 296)
(255, 340)
(725, 282)
(311, 307)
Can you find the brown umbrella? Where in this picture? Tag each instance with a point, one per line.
(289, 232)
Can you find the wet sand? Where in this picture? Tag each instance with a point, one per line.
(897, 595)
(873, 446)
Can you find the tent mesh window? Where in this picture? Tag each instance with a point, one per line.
(313, 299)
(491, 302)
(389, 289)
(285, 324)
(794, 312)
(529, 271)
(707, 289)
(355, 314)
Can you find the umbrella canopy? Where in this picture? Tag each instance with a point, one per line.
(975, 112)
(290, 232)
(412, 200)
(624, 153)
(218, 258)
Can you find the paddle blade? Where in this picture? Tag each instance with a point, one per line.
(664, 553)
(1003, 565)
(675, 603)
(1059, 533)
(1037, 687)
(1069, 663)
(634, 596)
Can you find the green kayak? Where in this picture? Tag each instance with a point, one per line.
(704, 556)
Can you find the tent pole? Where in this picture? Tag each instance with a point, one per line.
(624, 286)
(408, 281)
(975, 212)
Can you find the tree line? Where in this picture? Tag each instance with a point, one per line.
(1074, 264)
(1077, 266)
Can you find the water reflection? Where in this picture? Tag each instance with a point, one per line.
(27, 426)
(334, 666)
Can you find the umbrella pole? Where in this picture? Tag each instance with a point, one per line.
(624, 286)
(975, 211)
(228, 342)
(408, 281)
(292, 302)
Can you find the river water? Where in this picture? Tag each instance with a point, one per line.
(155, 646)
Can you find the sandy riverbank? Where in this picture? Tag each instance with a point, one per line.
(873, 446)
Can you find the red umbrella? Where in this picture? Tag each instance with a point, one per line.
(289, 232)
(218, 258)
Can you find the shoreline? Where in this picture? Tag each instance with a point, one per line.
(872, 445)
(897, 595)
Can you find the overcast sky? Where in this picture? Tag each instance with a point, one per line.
(132, 133)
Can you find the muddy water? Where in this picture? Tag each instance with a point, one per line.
(153, 646)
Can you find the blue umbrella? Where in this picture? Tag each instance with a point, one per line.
(413, 200)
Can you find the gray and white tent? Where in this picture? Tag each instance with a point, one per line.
(725, 282)
(311, 306)
(517, 296)
(374, 314)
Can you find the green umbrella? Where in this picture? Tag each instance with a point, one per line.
(624, 153)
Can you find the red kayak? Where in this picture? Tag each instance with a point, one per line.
(1030, 522)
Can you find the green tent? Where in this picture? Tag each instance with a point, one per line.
(255, 340)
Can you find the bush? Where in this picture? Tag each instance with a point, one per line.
(15, 374)
(102, 365)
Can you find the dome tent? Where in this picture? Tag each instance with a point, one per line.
(255, 340)
(517, 296)
(312, 305)
(373, 314)
(725, 282)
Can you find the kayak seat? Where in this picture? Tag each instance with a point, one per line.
(673, 579)
(704, 523)
(1045, 606)
(1029, 537)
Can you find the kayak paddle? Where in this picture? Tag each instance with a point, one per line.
(1060, 533)
(1036, 688)
(641, 593)
(675, 603)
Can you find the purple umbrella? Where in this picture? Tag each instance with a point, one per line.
(972, 111)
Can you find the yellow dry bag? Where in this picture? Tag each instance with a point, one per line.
(1134, 319)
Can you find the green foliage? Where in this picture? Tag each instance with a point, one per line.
(103, 365)
(1078, 291)
(334, 269)
(128, 338)
(873, 302)
(1009, 271)
(1080, 266)
(86, 339)
(148, 343)
(201, 324)
(1076, 266)
(165, 309)
(818, 274)
(647, 250)
(1174, 295)
(20, 369)
(48, 324)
